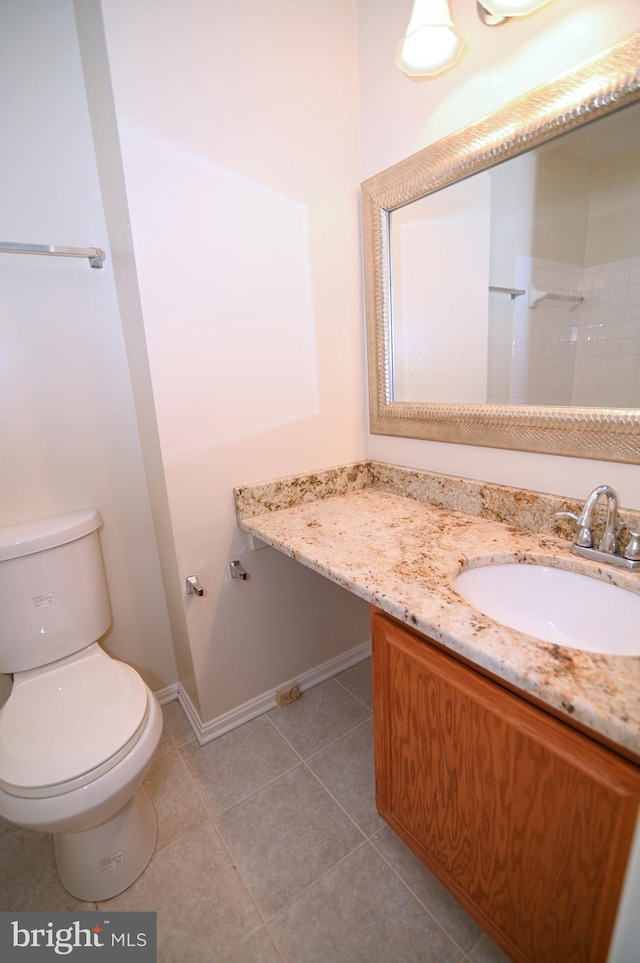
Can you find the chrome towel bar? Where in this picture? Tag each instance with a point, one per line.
(95, 255)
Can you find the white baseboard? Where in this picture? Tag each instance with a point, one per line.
(208, 731)
(168, 694)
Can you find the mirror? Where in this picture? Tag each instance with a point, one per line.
(535, 264)
(489, 322)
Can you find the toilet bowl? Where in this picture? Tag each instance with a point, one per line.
(79, 729)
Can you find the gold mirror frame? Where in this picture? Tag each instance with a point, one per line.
(592, 90)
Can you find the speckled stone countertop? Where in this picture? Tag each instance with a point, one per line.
(397, 538)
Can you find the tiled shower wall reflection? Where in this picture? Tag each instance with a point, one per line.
(582, 352)
(607, 370)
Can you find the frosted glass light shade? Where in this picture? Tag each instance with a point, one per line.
(512, 8)
(431, 45)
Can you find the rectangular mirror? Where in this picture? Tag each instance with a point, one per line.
(502, 272)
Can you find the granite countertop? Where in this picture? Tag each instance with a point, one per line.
(402, 554)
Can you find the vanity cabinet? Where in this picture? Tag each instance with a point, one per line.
(527, 821)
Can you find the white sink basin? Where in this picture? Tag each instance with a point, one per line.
(566, 608)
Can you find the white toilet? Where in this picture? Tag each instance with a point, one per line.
(79, 729)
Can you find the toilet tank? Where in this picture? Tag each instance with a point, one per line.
(53, 591)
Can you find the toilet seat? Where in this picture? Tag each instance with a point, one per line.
(64, 721)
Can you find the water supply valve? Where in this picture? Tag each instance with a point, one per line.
(193, 586)
(237, 570)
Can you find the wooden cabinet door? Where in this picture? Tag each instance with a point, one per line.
(526, 821)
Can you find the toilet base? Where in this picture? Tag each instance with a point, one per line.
(99, 863)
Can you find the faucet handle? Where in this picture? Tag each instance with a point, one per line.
(632, 548)
(584, 537)
(632, 551)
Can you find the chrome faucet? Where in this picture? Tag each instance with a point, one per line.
(608, 542)
(584, 538)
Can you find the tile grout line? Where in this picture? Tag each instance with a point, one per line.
(364, 840)
(336, 679)
(283, 737)
(273, 943)
(306, 889)
(250, 795)
(417, 898)
(336, 801)
(241, 876)
(338, 738)
(262, 926)
(207, 812)
(215, 815)
(331, 742)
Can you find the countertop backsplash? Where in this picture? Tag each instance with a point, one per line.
(522, 508)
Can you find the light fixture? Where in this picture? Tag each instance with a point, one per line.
(430, 45)
(493, 13)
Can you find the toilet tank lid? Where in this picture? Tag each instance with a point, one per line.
(26, 538)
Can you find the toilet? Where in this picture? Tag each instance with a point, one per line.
(79, 729)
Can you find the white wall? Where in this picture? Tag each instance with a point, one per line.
(440, 270)
(399, 116)
(561, 211)
(238, 128)
(614, 214)
(68, 431)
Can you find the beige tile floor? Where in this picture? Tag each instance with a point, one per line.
(270, 849)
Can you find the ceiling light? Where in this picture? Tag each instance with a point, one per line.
(511, 8)
(430, 45)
